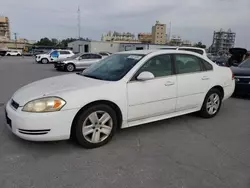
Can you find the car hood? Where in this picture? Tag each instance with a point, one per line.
(238, 71)
(54, 86)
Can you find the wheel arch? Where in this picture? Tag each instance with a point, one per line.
(114, 106)
(220, 88)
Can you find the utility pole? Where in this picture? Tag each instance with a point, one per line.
(15, 34)
(170, 30)
(79, 22)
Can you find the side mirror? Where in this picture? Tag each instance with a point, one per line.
(143, 76)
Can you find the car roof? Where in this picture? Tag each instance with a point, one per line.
(188, 47)
(142, 52)
(160, 51)
(62, 50)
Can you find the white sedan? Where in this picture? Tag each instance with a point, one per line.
(123, 90)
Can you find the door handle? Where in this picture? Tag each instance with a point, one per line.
(169, 83)
(205, 78)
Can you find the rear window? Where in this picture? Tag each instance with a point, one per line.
(193, 50)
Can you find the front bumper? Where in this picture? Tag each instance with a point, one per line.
(40, 126)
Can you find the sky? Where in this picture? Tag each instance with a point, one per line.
(193, 20)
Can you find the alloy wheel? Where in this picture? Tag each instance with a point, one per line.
(97, 127)
(70, 68)
(213, 103)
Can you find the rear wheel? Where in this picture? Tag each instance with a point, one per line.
(95, 126)
(212, 103)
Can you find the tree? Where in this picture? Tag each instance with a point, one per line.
(55, 42)
(47, 42)
(200, 45)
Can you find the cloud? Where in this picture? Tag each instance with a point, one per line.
(192, 19)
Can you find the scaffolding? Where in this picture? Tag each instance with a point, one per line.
(223, 41)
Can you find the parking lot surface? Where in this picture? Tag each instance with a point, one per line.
(183, 152)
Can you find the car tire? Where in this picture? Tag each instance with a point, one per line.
(70, 67)
(95, 126)
(18, 55)
(8, 55)
(212, 103)
(44, 61)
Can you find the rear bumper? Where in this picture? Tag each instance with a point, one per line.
(229, 90)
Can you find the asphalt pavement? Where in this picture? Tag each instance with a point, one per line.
(183, 152)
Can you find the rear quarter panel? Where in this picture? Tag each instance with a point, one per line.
(222, 76)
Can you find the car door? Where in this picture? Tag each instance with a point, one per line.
(155, 97)
(84, 60)
(63, 54)
(192, 80)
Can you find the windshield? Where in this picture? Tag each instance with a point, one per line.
(114, 67)
(245, 64)
(75, 56)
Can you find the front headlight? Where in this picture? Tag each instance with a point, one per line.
(47, 104)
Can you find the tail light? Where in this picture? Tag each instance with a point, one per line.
(232, 75)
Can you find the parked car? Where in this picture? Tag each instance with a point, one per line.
(242, 77)
(105, 54)
(237, 56)
(123, 90)
(13, 53)
(53, 56)
(2, 52)
(78, 62)
(221, 60)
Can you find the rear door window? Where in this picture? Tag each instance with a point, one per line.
(186, 63)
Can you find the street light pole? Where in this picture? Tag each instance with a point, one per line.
(15, 34)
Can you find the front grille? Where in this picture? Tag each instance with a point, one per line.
(34, 132)
(242, 79)
(14, 104)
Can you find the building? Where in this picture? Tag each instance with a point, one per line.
(176, 40)
(222, 41)
(80, 46)
(20, 43)
(117, 36)
(113, 47)
(4, 28)
(159, 33)
(186, 43)
(145, 37)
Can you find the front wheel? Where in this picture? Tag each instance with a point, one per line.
(70, 67)
(44, 61)
(95, 126)
(212, 103)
